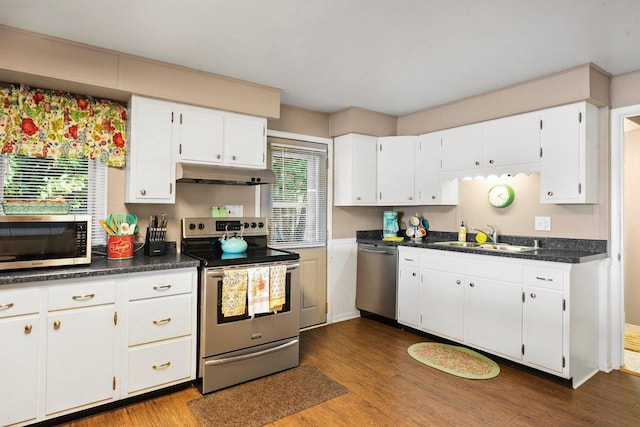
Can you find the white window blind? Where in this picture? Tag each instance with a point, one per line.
(81, 182)
(298, 199)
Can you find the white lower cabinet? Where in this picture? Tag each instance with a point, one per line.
(20, 340)
(541, 314)
(74, 344)
(161, 330)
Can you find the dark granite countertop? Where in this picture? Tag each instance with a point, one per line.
(101, 266)
(571, 251)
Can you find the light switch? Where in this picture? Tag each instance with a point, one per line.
(543, 223)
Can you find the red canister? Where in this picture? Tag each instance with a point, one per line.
(120, 247)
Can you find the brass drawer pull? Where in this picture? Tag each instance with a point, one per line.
(163, 366)
(162, 287)
(162, 322)
(6, 306)
(83, 297)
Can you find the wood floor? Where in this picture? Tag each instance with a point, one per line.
(389, 388)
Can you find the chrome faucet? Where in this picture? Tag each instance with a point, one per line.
(493, 235)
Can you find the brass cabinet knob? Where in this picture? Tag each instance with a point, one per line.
(57, 324)
(28, 328)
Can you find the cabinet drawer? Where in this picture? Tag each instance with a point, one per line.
(83, 294)
(159, 363)
(409, 258)
(544, 277)
(160, 285)
(158, 319)
(19, 301)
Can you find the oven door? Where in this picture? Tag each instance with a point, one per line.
(220, 334)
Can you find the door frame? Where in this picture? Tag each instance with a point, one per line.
(616, 318)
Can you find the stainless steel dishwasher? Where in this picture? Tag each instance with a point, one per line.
(376, 279)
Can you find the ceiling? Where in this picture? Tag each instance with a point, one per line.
(390, 56)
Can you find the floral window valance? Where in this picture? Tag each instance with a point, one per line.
(48, 123)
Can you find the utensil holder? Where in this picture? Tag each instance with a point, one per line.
(155, 244)
(120, 247)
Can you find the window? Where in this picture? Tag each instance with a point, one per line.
(297, 202)
(81, 182)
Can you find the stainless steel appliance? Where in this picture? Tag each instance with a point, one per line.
(376, 279)
(30, 241)
(237, 348)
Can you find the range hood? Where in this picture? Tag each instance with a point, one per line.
(212, 174)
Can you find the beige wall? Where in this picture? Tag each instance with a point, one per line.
(301, 121)
(54, 63)
(586, 82)
(625, 90)
(632, 226)
(359, 120)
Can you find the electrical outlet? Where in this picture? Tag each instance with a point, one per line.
(543, 223)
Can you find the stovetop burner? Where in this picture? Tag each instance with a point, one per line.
(201, 240)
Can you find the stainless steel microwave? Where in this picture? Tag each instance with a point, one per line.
(30, 241)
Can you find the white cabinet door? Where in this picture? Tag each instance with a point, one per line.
(512, 141)
(442, 303)
(493, 314)
(355, 160)
(19, 338)
(542, 326)
(430, 189)
(462, 148)
(245, 141)
(150, 170)
(569, 165)
(198, 134)
(396, 178)
(409, 296)
(80, 357)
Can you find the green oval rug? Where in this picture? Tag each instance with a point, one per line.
(454, 360)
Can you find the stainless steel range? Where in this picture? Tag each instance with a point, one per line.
(249, 302)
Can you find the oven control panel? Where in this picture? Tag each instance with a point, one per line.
(212, 227)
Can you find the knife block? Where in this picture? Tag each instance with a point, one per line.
(154, 247)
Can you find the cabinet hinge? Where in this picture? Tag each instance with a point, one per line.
(580, 117)
(540, 124)
(563, 361)
(326, 307)
(171, 188)
(579, 188)
(380, 147)
(564, 304)
(114, 383)
(522, 350)
(540, 152)
(115, 318)
(180, 118)
(180, 148)
(381, 195)
(522, 296)
(172, 117)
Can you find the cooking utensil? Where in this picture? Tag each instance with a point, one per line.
(106, 228)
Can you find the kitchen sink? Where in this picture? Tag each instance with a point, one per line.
(493, 247)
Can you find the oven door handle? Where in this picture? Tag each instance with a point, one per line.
(219, 272)
(251, 355)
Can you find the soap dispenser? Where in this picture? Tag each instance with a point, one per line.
(462, 232)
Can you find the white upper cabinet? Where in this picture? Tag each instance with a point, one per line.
(512, 144)
(569, 166)
(462, 149)
(355, 160)
(198, 134)
(150, 170)
(245, 141)
(430, 189)
(395, 175)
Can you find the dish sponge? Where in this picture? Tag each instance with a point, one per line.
(393, 239)
(481, 237)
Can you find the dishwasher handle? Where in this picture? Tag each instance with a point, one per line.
(379, 251)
